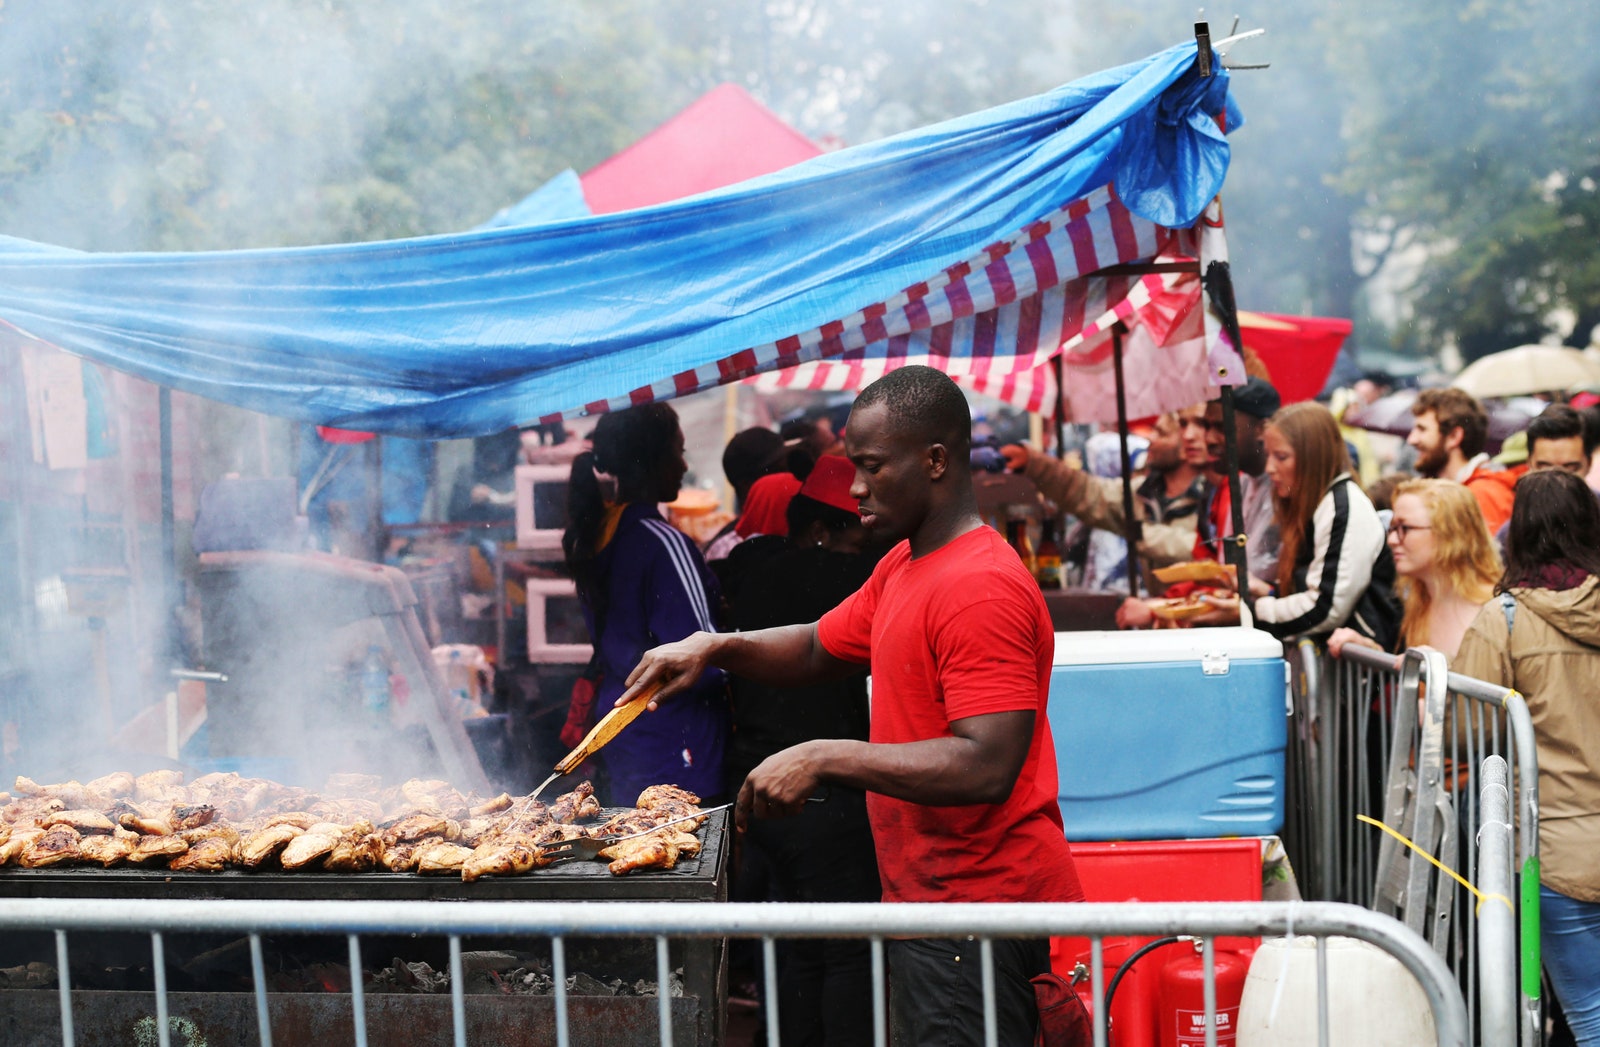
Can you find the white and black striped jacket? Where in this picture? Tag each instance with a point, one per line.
(1334, 565)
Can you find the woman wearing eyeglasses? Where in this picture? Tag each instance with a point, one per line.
(1542, 637)
(1333, 567)
(1446, 563)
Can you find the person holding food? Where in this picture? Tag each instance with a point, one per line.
(1333, 568)
(960, 771)
(1168, 502)
(1194, 590)
(643, 582)
(1446, 563)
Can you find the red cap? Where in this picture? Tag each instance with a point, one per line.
(829, 483)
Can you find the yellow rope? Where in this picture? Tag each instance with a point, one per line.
(1480, 895)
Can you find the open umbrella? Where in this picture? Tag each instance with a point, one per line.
(1528, 369)
(1392, 414)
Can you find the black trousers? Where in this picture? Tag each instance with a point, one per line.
(936, 991)
(825, 854)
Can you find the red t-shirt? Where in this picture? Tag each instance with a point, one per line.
(962, 631)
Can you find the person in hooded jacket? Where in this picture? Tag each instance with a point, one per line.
(642, 583)
(1542, 637)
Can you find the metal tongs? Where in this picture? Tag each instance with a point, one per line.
(587, 847)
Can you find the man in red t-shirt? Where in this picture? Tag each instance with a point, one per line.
(960, 769)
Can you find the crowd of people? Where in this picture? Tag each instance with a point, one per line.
(1495, 564)
(763, 639)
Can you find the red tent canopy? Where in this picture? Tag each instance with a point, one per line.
(723, 137)
(1298, 351)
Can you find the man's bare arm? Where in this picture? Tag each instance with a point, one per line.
(790, 655)
(979, 763)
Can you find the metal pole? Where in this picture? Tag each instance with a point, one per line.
(1061, 407)
(169, 543)
(1132, 529)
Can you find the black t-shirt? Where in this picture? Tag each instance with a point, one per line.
(769, 582)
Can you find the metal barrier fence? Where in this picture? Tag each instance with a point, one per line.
(768, 922)
(1399, 739)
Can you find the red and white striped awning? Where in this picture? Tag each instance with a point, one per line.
(1018, 305)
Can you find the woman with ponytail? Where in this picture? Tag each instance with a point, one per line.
(643, 583)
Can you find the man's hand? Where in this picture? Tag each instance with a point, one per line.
(780, 785)
(676, 666)
(1016, 456)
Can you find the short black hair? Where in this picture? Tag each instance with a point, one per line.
(926, 400)
(1560, 422)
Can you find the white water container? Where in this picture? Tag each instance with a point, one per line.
(1373, 1001)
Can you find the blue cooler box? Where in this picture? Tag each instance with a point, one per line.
(1169, 733)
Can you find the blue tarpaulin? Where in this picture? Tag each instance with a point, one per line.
(864, 250)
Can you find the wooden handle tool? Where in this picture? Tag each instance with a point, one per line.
(610, 725)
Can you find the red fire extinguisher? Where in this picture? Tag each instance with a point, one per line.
(1181, 999)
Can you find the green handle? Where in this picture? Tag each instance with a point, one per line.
(1530, 927)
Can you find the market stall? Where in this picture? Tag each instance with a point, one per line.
(990, 246)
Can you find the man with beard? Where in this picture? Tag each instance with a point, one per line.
(1448, 436)
(960, 772)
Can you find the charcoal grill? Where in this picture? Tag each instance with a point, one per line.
(30, 1016)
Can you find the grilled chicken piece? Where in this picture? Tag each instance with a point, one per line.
(30, 810)
(84, 820)
(440, 857)
(656, 851)
(55, 846)
(356, 850)
(192, 816)
(107, 849)
(435, 795)
(414, 828)
(666, 795)
(12, 847)
(401, 856)
(211, 854)
(72, 794)
(298, 819)
(488, 807)
(157, 849)
(266, 842)
(115, 785)
(474, 830)
(159, 785)
(211, 830)
(565, 807)
(501, 859)
(141, 818)
(311, 845)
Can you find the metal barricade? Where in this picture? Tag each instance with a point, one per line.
(769, 922)
(1399, 739)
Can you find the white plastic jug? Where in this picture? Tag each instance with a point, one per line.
(1373, 1001)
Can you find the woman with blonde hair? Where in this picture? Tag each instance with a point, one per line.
(1333, 567)
(1446, 561)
